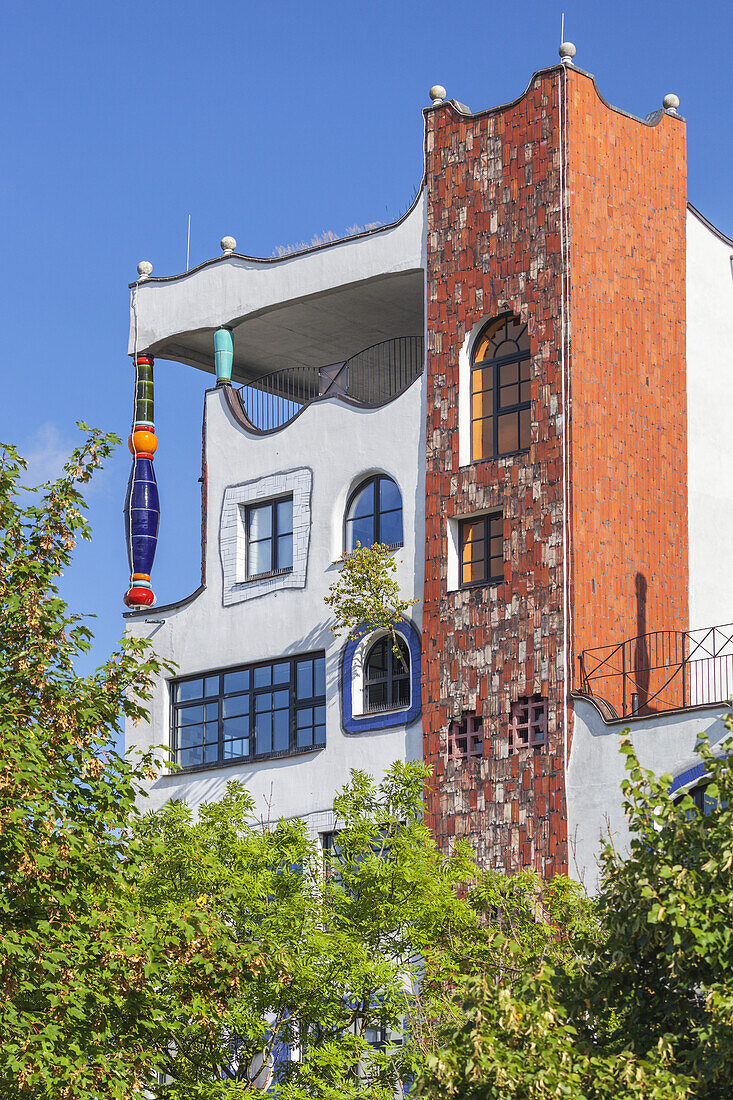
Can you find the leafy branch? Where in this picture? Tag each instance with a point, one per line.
(366, 597)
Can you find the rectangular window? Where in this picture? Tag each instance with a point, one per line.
(528, 723)
(267, 709)
(269, 537)
(481, 550)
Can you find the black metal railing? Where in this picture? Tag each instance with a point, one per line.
(661, 671)
(372, 377)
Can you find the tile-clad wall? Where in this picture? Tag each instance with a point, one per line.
(627, 186)
(493, 186)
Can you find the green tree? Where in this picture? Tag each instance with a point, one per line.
(663, 972)
(355, 951)
(81, 963)
(642, 1006)
(341, 949)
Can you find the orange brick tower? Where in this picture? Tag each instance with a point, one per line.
(556, 511)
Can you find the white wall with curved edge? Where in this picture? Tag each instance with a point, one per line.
(665, 743)
(234, 286)
(339, 443)
(709, 431)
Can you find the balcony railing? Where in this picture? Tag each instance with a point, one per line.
(661, 671)
(371, 378)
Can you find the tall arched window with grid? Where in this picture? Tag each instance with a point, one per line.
(500, 390)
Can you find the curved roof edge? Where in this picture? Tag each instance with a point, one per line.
(652, 119)
(288, 255)
(633, 719)
(713, 228)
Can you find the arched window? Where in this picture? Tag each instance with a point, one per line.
(374, 514)
(704, 802)
(500, 390)
(387, 675)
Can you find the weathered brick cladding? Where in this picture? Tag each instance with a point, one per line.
(493, 187)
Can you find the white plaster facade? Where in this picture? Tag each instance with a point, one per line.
(709, 432)
(320, 456)
(663, 743)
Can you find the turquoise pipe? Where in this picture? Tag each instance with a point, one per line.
(223, 355)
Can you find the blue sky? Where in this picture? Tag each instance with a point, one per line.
(272, 122)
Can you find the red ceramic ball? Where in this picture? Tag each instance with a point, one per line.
(143, 597)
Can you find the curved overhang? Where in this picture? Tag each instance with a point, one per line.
(311, 308)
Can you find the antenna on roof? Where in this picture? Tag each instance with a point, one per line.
(562, 28)
(188, 242)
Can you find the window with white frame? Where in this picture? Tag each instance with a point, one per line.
(269, 528)
(387, 675)
(265, 535)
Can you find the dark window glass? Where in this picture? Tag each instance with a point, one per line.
(387, 675)
(374, 514)
(269, 537)
(259, 710)
(704, 802)
(481, 550)
(500, 390)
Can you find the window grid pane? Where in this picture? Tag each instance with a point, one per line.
(501, 391)
(269, 537)
(481, 550)
(266, 718)
(374, 514)
(387, 676)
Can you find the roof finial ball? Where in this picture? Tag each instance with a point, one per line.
(228, 244)
(670, 103)
(437, 93)
(144, 270)
(567, 52)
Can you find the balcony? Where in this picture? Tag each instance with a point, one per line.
(662, 671)
(371, 378)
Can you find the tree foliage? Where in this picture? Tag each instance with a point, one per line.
(341, 951)
(357, 957)
(366, 597)
(81, 964)
(643, 1006)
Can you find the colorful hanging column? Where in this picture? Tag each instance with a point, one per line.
(142, 510)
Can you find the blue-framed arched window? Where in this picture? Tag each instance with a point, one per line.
(377, 691)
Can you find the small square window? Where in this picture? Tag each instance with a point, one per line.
(481, 550)
(269, 537)
(466, 738)
(528, 723)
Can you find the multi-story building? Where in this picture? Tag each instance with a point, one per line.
(520, 387)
